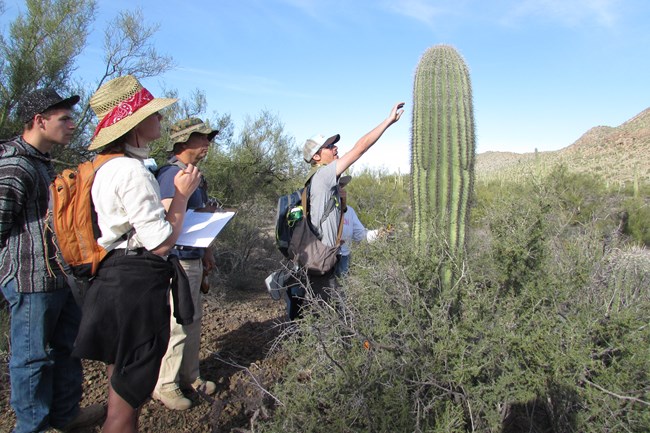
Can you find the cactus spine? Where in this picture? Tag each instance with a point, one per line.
(442, 152)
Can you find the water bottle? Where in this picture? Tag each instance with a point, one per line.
(295, 215)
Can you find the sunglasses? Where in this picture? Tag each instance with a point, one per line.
(329, 146)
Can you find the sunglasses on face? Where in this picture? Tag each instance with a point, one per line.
(329, 146)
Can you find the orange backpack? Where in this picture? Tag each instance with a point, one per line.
(74, 217)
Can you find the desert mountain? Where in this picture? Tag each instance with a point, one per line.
(617, 154)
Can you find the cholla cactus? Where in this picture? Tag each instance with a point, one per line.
(443, 149)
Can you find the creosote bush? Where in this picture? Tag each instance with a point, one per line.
(637, 212)
(380, 199)
(548, 330)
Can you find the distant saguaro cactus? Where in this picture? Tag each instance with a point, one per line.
(442, 151)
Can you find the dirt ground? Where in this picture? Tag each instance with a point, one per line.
(237, 333)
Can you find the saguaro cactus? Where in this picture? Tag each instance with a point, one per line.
(442, 152)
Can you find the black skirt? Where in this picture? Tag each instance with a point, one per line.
(125, 320)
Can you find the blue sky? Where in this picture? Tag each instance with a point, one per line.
(543, 71)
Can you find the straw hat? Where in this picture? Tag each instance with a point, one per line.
(120, 105)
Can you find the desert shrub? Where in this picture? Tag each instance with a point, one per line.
(621, 281)
(519, 242)
(380, 199)
(357, 353)
(638, 220)
(260, 162)
(577, 195)
(615, 386)
(245, 250)
(546, 330)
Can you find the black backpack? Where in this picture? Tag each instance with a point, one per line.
(283, 225)
(285, 218)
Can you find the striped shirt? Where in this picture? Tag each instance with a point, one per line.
(27, 250)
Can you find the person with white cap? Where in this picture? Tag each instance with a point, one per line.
(126, 315)
(322, 154)
(45, 378)
(179, 372)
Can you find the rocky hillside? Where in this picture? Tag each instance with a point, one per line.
(617, 154)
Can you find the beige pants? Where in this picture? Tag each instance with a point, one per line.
(180, 365)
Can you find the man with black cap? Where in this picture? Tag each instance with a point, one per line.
(45, 379)
(324, 200)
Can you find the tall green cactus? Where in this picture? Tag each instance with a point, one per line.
(442, 152)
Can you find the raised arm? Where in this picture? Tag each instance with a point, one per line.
(365, 142)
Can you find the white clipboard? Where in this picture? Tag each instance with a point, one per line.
(201, 228)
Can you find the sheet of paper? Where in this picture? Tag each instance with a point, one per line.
(200, 228)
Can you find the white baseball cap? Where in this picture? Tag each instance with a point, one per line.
(314, 144)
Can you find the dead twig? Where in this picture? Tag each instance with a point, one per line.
(613, 394)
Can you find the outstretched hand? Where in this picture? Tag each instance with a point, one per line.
(396, 112)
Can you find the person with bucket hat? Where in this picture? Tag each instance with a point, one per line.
(179, 372)
(45, 378)
(326, 168)
(125, 321)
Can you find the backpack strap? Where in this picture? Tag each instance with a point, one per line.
(103, 158)
(328, 210)
(97, 163)
(203, 185)
(331, 205)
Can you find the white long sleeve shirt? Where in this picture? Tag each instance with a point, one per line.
(126, 195)
(353, 230)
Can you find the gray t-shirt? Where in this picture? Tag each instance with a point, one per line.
(324, 185)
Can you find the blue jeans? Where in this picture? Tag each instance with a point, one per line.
(45, 379)
(343, 266)
(296, 295)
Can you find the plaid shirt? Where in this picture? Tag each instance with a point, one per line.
(27, 250)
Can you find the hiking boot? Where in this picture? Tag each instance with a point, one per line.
(203, 386)
(172, 399)
(86, 417)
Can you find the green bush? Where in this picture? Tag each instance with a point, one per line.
(379, 198)
(638, 222)
(545, 330)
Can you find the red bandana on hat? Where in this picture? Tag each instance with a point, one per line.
(125, 109)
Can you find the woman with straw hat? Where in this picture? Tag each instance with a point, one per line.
(125, 314)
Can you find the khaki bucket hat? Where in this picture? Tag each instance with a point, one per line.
(120, 105)
(181, 131)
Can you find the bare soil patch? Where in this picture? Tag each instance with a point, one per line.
(237, 332)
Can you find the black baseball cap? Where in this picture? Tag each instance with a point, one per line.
(41, 100)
